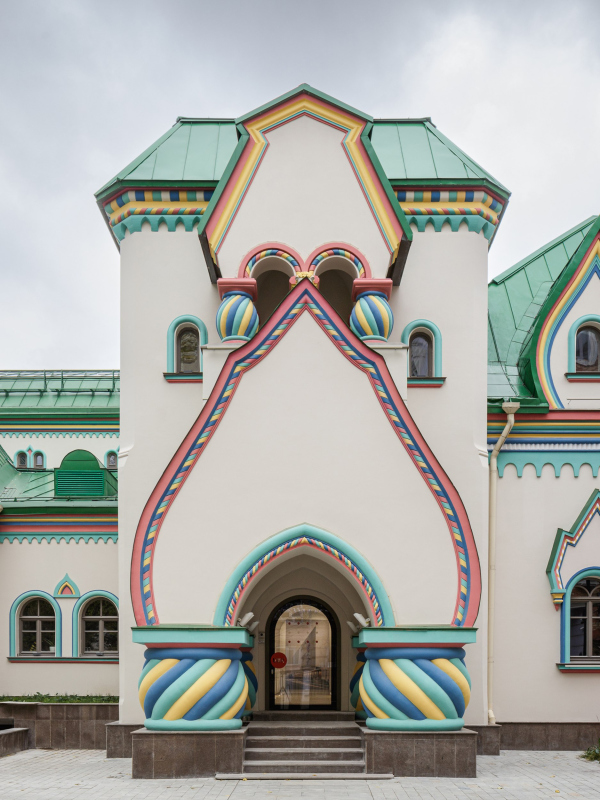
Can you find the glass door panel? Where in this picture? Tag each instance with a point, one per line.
(303, 634)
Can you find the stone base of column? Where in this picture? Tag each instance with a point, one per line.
(451, 754)
(186, 754)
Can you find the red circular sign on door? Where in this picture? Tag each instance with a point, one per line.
(278, 660)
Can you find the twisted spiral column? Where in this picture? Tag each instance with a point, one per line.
(196, 688)
(412, 689)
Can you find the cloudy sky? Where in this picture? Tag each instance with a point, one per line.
(86, 86)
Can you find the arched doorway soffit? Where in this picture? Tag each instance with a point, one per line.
(305, 538)
(279, 256)
(305, 298)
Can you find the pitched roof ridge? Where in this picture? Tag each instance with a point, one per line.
(542, 251)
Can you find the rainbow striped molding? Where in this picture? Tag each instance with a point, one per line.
(304, 298)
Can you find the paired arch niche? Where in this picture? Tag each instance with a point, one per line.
(275, 267)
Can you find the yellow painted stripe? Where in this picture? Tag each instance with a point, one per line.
(456, 675)
(230, 713)
(410, 689)
(368, 703)
(198, 689)
(154, 674)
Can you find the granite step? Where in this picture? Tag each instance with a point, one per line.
(276, 742)
(346, 754)
(289, 766)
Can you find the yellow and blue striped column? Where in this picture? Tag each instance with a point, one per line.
(196, 688)
(412, 688)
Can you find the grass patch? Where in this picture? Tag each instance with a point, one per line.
(59, 698)
(592, 753)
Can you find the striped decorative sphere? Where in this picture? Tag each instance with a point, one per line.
(195, 688)
(237, 317)
(372, 317)
(415, 689)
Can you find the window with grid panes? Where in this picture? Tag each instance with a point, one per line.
(100, 628)
(37, 623)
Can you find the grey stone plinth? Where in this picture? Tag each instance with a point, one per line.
(13, 740)
(118, 739)
(488, 739)
(186, 754)
(549, 735)
(63, 726)
(450, 754)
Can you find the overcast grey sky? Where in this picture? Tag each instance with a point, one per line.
(86, 86)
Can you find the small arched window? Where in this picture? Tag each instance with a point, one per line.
(21, 460)
(37, 627)
(421, 354)
(188, 349)
(38, 460)
(587, 349)
(111, 460)
(585, 619)
(100, 629)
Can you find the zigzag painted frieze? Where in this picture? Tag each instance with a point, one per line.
(304, 298)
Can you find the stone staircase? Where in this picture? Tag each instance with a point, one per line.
(321, 744)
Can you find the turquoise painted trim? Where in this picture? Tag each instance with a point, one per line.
(13, 621)
(75, 645)
(576, 458)
(193, 724)
(565, 614)
(415, 635)
(572, 367)
(437, 342)
(73, 584)
(192, 320)
(192, 634)
(58, 537)
(415, 724)
(292, 533)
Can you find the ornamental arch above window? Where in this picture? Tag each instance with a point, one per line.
(100, 628)
(585, 619)
(587, 349)
(37, 628)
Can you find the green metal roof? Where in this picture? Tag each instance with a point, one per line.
(515, 298)
(196, 151)
(59, 390)
(415, 150)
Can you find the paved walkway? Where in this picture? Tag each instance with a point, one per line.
(88, 775)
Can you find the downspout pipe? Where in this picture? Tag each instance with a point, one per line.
(510, 409)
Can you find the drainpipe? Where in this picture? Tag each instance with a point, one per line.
(510, 409)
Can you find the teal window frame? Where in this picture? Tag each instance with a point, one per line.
(77, 614)
(189, 319)
(565, 649)
(14, 620)
(437, 343)
(572, 344)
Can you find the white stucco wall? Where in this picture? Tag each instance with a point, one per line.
(528, 685)
(304, 194)
(39, 566)
(580, 395)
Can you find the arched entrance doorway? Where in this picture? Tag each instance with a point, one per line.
(306, 632)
